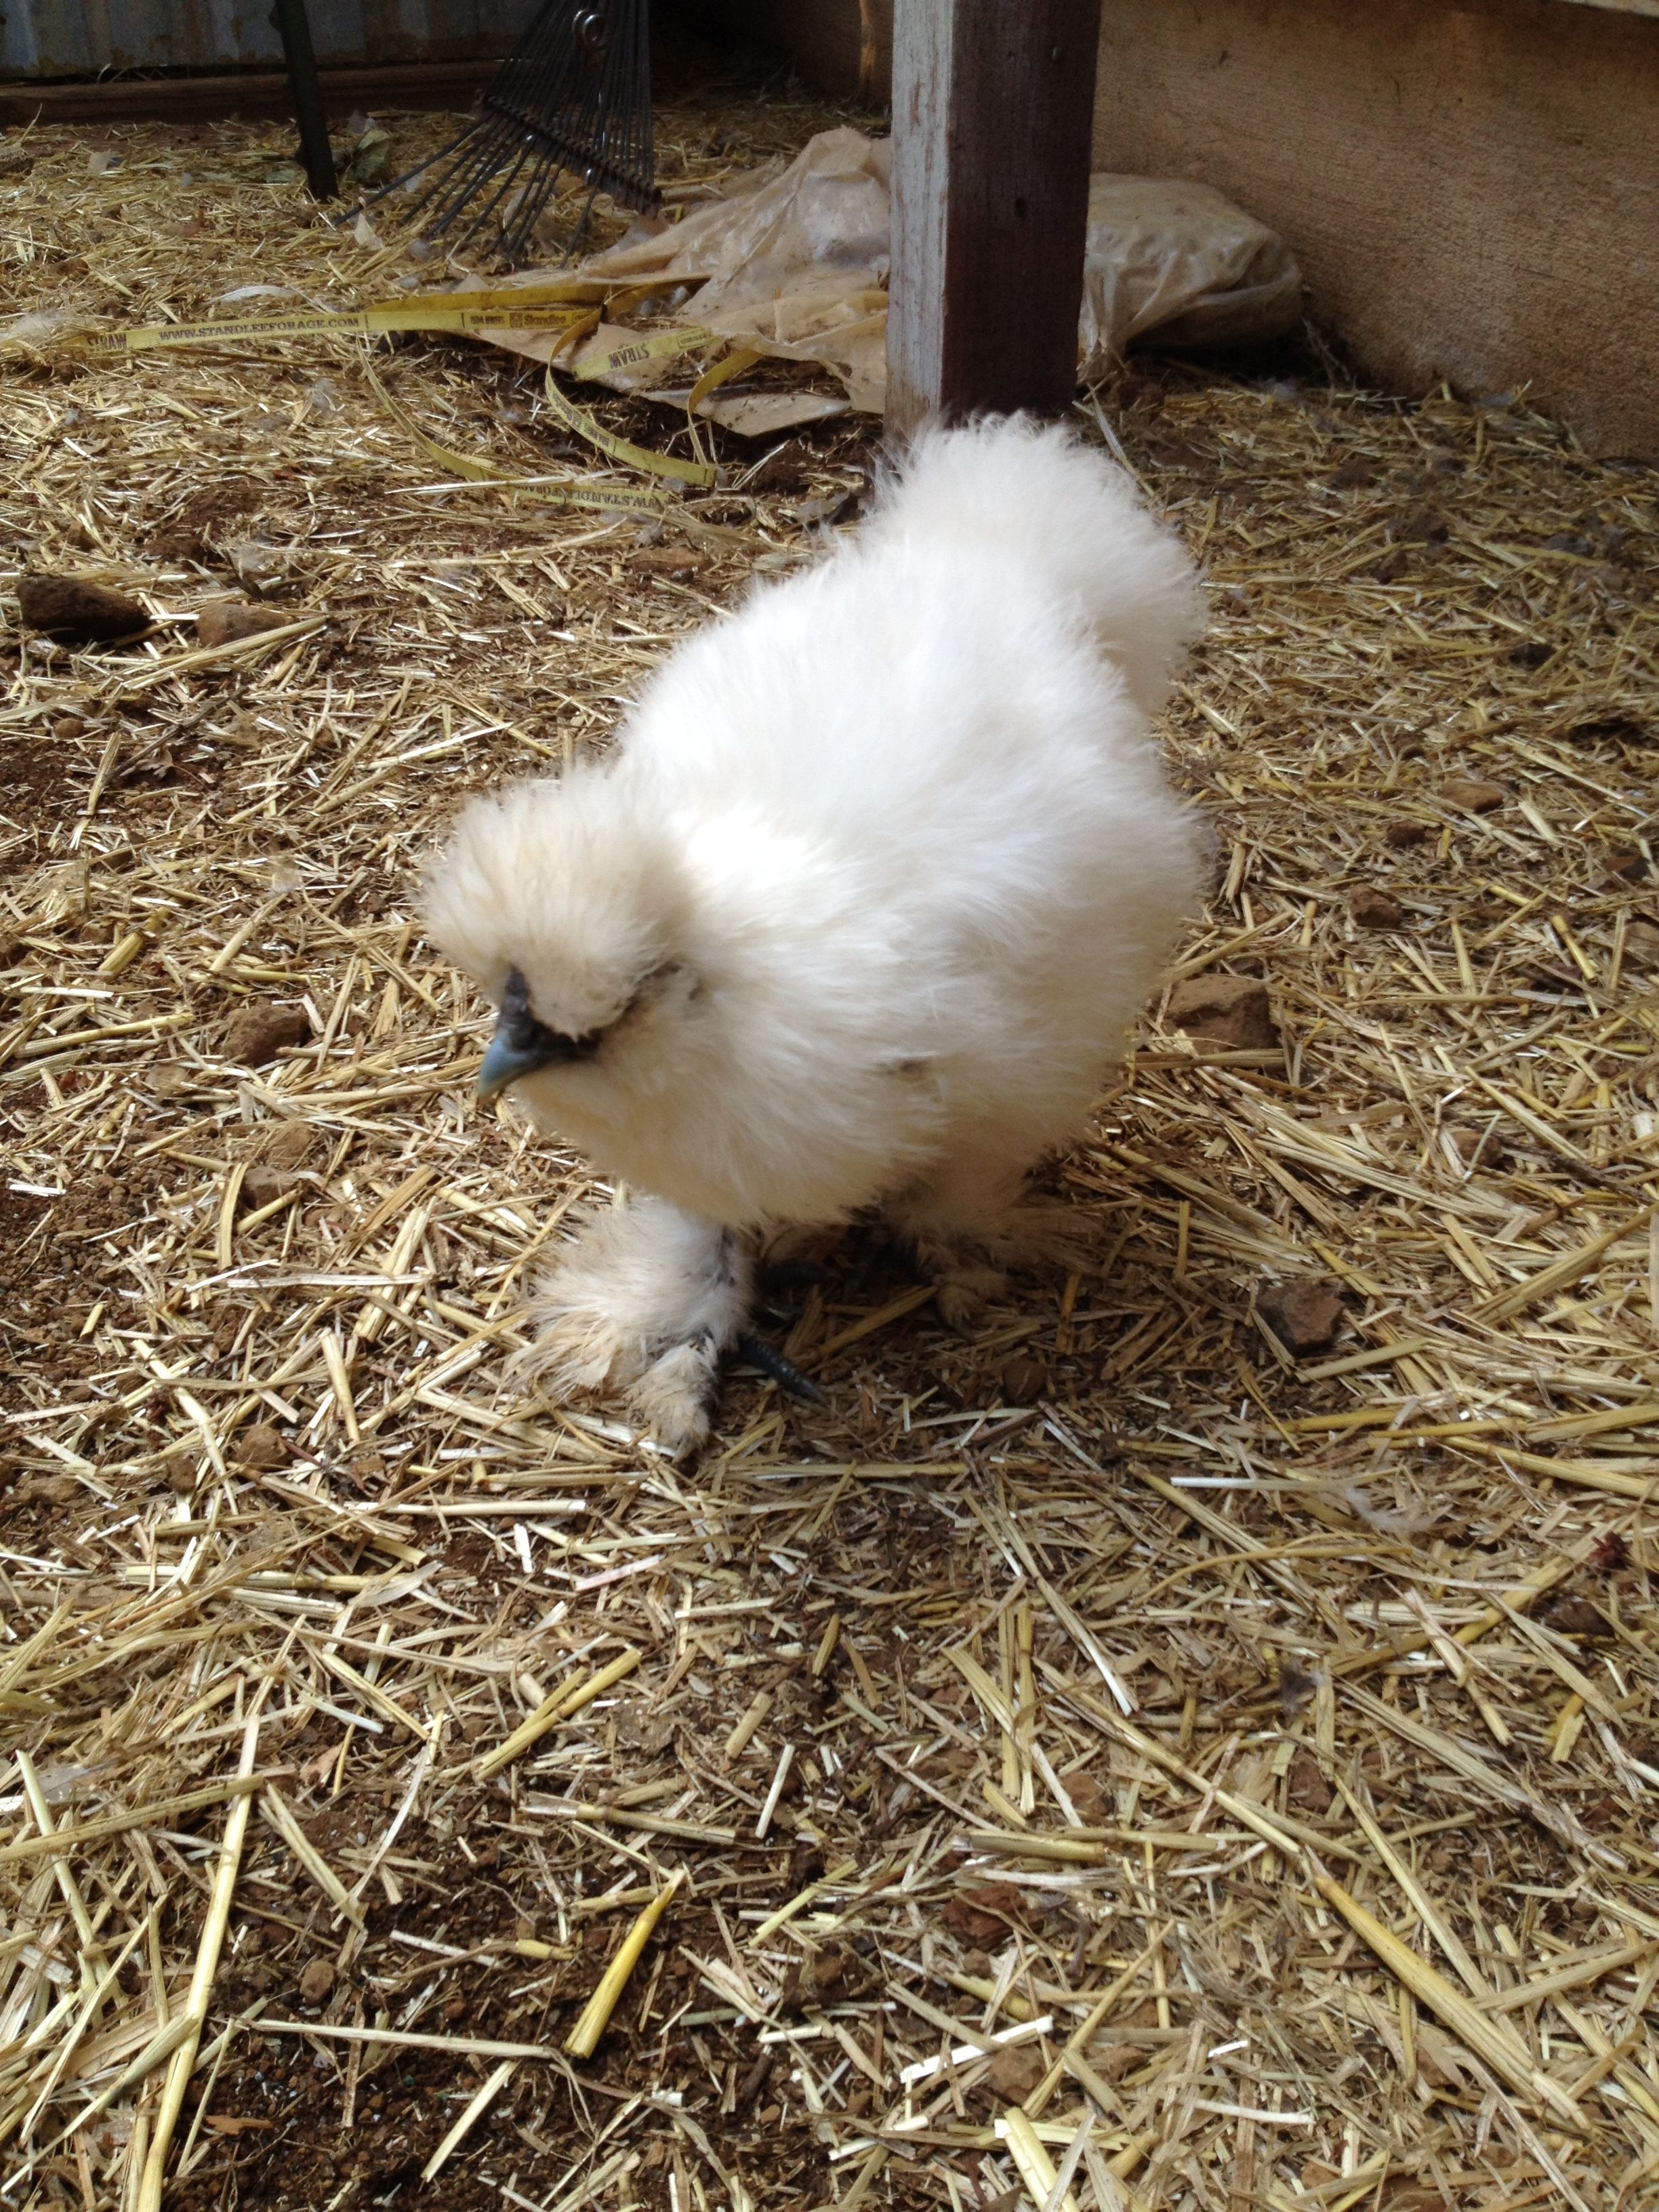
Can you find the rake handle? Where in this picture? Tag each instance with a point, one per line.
(294, 25)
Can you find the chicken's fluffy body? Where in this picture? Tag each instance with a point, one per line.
(861, 908)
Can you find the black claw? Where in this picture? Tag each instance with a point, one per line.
(784, 1372)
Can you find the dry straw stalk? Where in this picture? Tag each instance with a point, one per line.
(583, 2039)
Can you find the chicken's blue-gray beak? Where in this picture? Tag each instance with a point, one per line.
(505, 1061)
(521, 1044)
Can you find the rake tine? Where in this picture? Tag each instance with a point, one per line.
(575, 95)
(504, 170)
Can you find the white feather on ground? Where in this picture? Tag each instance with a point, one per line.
(860, 910)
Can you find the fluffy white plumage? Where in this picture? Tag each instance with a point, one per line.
(858, 911)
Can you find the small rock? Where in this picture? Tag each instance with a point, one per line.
(1025, 1380)
(1408, 833)
(227, 620)
(828, 1968)
(1471, 794)
(67, 728)
(1305, 1786)
(1642, 945)
(981, 1916)
(977, 1962)
(1089, 1800)
(259, 1033)
(1626, 868)
(1482, 1145)
(56, 1489)
(317, 1980)
(1304, 1316)
(1374, 909)
(64, 606)
(1015, 2073)
(1233, 1010)
(262, 1448)
(1571, 1615)
(261, 1184)
(288, 1145)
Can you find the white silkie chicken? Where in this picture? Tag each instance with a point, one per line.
(858, 912)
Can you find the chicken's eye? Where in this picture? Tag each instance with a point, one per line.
(522, 1044)
(518, 1025)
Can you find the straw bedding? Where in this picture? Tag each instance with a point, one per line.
(1203, 1720)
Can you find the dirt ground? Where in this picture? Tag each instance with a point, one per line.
(1227, 1676)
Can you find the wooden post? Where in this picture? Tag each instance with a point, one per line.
(993, 110)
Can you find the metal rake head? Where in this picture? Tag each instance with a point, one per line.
(574, 96)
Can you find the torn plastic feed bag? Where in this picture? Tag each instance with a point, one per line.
(794, 263)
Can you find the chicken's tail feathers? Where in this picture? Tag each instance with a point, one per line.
(1062, 508)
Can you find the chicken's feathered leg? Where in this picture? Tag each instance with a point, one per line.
(647, 1300)
(970, 1219)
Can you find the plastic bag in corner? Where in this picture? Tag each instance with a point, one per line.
(1179, 259)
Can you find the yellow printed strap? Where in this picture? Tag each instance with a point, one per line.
(619, 499)
(700, 473)
(149, 336)
(524, 306)
(571, 291)
(658, 346)
(360, 322)
(734, 365)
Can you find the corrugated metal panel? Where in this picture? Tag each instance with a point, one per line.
(81, 37)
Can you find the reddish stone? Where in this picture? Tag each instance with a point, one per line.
(1471, 794)
(1304, 1316)
(1231, 1010)
(259, 1033)
(1374, 909)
